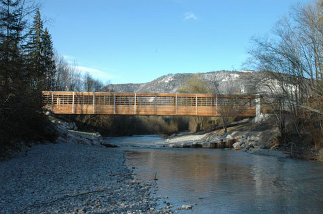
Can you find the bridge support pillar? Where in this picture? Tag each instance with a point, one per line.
(258, 109)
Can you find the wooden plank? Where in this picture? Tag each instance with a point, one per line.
(146, 110)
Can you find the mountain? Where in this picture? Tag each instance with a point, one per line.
(226, 82)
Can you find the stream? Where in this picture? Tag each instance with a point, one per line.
(224, 181)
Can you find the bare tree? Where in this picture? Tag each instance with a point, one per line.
(67, 76)
(227, 104)
(292, 60)
(91, 84)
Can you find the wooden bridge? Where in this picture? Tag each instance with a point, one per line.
(60, 102)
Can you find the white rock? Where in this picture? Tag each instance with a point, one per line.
(237, 145)
(186, 207)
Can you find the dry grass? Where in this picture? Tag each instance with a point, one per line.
(317, 138)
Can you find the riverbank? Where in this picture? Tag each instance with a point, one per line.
(76, 174)
(256, 138)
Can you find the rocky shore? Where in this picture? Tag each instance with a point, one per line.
(247, 137)
(77, 174)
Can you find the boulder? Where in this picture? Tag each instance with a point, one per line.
(220, 145)
(230, 143)
(237, 145)
(255, 138)
(213, 145)
(186, 207)
(250, 144)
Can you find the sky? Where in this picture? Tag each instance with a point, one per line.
(136, 41)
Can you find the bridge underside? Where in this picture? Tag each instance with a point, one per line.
(149, 104)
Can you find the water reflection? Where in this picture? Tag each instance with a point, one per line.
(225, 181)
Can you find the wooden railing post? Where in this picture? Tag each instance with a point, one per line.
(135, 104)
(155, 104)
(196, 104)
(176, 103)
(52, 102)
(216, 104)
(114, 103)
(93, 102)
(73, 107)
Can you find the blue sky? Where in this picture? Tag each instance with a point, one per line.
(136, 41)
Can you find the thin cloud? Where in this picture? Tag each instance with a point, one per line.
(190, 16)
(69, 59)
(96, 73)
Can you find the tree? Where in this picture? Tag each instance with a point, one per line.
(226, 104)
(67, 78)
(48, 61)
(196, 84)
(11, 28)
(40, 56)
(91, 84)
(21, 115)
(292, 60)
(35, 53)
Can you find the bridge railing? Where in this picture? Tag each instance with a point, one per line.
(62, 102)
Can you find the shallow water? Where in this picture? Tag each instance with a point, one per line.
(226, 181)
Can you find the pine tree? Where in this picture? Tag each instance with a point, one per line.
(35, 53)
(21, 115)
(11, 27)
(48, 61)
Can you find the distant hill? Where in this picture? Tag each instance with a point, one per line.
(227, 82)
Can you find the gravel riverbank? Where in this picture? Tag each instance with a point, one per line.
(70, 177)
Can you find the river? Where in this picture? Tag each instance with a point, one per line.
(225, 181)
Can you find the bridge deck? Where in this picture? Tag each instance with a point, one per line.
(149, 104)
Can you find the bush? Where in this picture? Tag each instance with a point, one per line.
(124, 125)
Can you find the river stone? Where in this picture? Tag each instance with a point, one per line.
(220, 145)
(186, 207)
(230, 142)
(237, 146)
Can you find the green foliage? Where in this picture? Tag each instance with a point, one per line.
(40, 55)
(194, 85)
(21, 117)
(48, 61)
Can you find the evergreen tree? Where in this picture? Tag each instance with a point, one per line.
(35, 53)
(11, 27)
(21, 115)
(48, 61)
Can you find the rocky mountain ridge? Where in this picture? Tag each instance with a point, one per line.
(225, 82)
